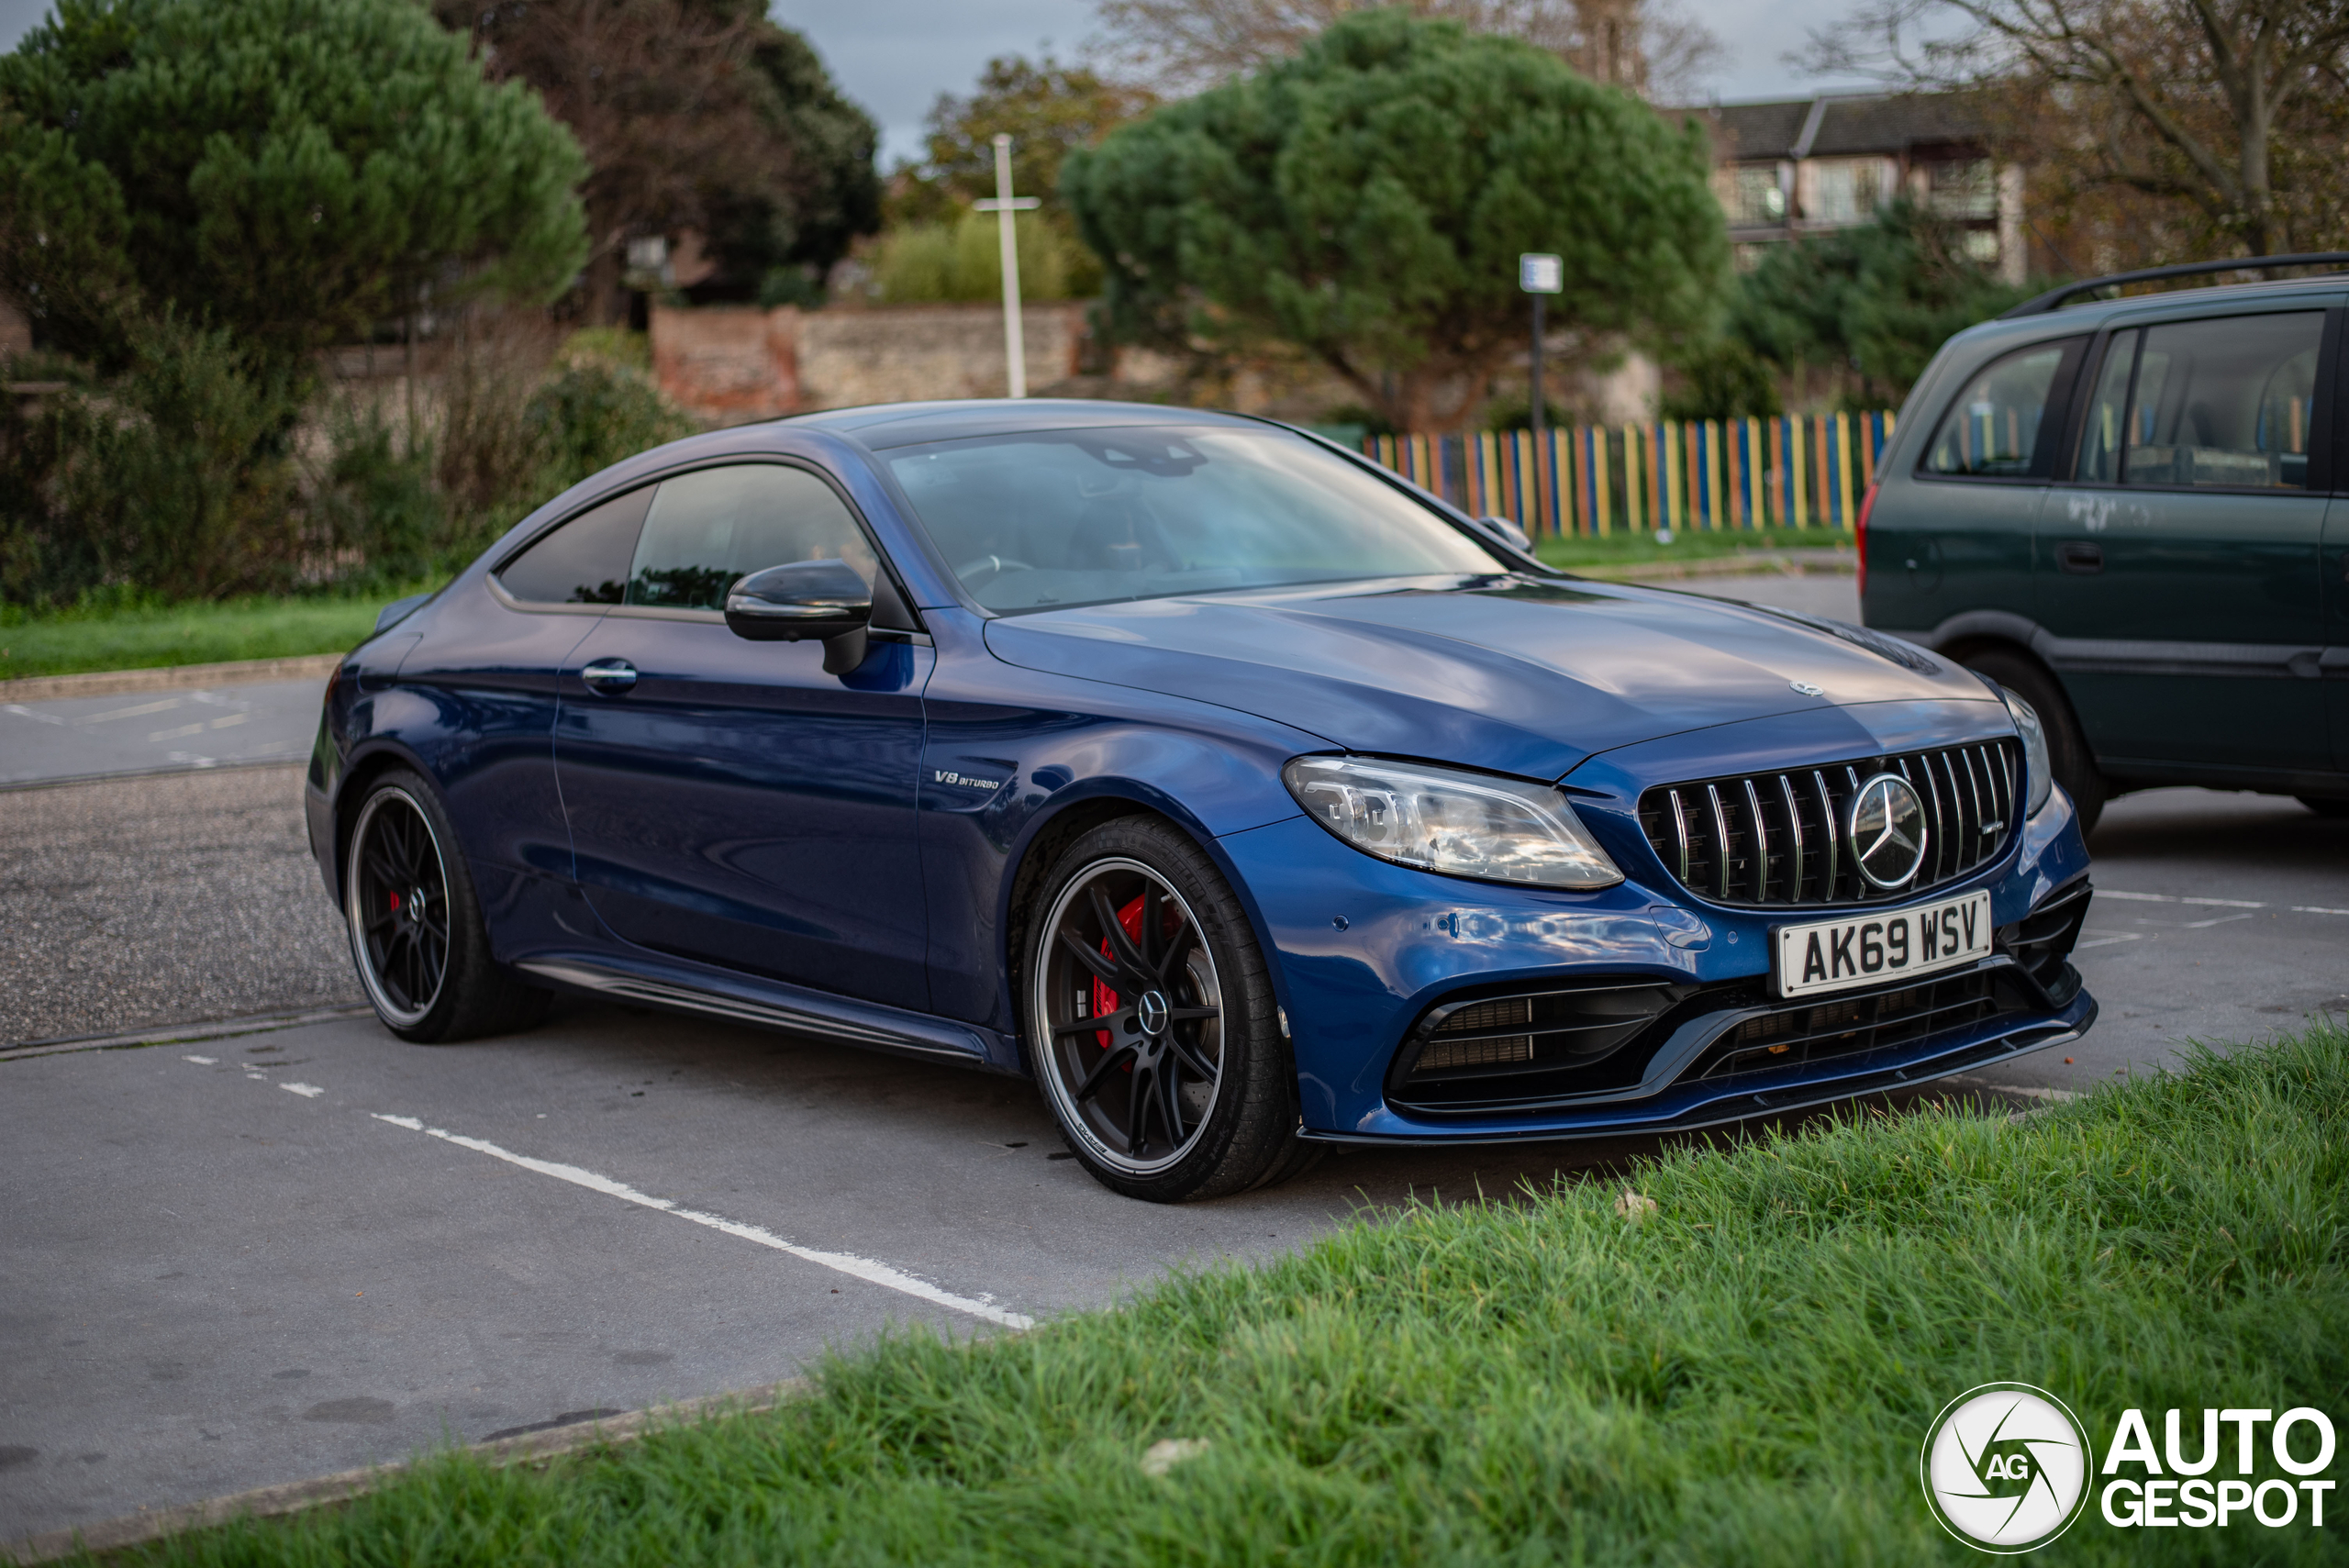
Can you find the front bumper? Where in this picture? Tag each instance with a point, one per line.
(1363, 950)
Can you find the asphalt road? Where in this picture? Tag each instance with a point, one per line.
(166, 731)
(246, 1258)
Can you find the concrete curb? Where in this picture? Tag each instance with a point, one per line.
(183, 1034)
(299, 1496)
(168, 678)
(1773, 564)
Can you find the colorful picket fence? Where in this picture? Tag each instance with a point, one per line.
(1797, 470)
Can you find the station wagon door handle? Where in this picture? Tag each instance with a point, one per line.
(609, 677)
(2081, 560)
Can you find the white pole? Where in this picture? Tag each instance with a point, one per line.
(1015, 347)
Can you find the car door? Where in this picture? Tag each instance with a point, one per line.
(730, 802)
(491, 683)
(2334, 662)
(2177, 571)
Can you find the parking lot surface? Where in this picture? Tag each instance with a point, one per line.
(238, 1258)
(161, 731)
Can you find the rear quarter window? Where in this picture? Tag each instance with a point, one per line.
(2003, 424)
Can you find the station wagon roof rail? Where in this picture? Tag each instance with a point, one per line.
(2056, 298)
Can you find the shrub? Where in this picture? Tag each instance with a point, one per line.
(590, 414)
(175, 479)
(963, 260)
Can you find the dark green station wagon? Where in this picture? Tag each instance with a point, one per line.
(2133, 513)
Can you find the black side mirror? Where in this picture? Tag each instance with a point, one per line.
(823, 599)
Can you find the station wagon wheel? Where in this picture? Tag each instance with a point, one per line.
(416, 933)
(1151, 1020)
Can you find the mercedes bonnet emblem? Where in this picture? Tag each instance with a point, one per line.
(1887, 830)
(1807, 689)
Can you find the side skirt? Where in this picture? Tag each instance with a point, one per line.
(784, 1008)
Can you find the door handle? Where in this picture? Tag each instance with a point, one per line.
(2080, 559)
(609, 677)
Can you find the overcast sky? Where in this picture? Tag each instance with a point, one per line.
(896, 56)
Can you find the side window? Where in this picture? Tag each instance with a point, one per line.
(708, 528)
(585, 561)
(1994, 428)
(2100, 434)
(2227, 403)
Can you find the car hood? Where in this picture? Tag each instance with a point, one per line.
(1520, 675)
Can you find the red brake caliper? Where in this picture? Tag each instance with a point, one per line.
(1104, 1001)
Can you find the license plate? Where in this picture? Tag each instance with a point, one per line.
(1876, 946)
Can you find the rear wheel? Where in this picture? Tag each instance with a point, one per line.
(416, 928)
(1152, 1023)
(2067, 748)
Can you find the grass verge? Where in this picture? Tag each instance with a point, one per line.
(1744, 1377)
(1626, 547)
(65, 642)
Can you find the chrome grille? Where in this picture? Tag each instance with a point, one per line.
(1779, 839)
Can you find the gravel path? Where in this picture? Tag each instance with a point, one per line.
(127, 903)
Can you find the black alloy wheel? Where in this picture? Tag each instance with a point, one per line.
(1152, 1028)
(2067, 748)
(399, 906)
(416, 928)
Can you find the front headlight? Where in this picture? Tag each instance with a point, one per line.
(2035, 750)
(1461, 824)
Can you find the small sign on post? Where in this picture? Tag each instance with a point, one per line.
(1538, 274)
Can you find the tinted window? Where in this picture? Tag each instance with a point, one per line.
(1084, 516)
(1993, 429)
(585, 560)
(708, 528)
(2228, 402)
(2100, 433)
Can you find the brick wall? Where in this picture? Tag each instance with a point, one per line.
(730, 364)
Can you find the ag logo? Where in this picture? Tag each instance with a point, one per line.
(1887, 830)
(2006, 1467)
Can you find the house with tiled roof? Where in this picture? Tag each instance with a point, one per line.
(1786, 167)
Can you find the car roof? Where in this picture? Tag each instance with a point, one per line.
(2095, 312)
(884, 425)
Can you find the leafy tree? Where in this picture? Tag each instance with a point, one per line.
(281, 170)
(698, 114)
(1184, 45)
(1367, 202)
(1877, 301)
(1048, 109)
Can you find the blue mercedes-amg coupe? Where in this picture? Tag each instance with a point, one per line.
(1248, 797)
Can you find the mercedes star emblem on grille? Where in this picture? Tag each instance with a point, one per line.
(1887, 830)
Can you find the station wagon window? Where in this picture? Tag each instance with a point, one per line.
(708, 528)
(585, 560)
(1994, 429)
(2228, 402)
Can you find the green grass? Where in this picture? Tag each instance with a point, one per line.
(62, 643)
(1744, 1378)
(1625, 547)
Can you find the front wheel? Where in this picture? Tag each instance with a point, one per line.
(1152, 1023)
(2067, 748)
(416, 928)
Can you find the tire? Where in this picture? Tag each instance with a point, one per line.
(414, 922)
(2335, 809)
(2067, 748)
(1198, 1104)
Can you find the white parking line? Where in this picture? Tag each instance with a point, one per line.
(307, 1091)
(2316, 909)
(2175, 898)
(2108, 941)
(864, 1269)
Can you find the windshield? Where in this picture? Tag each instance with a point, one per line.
(1059, 518)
